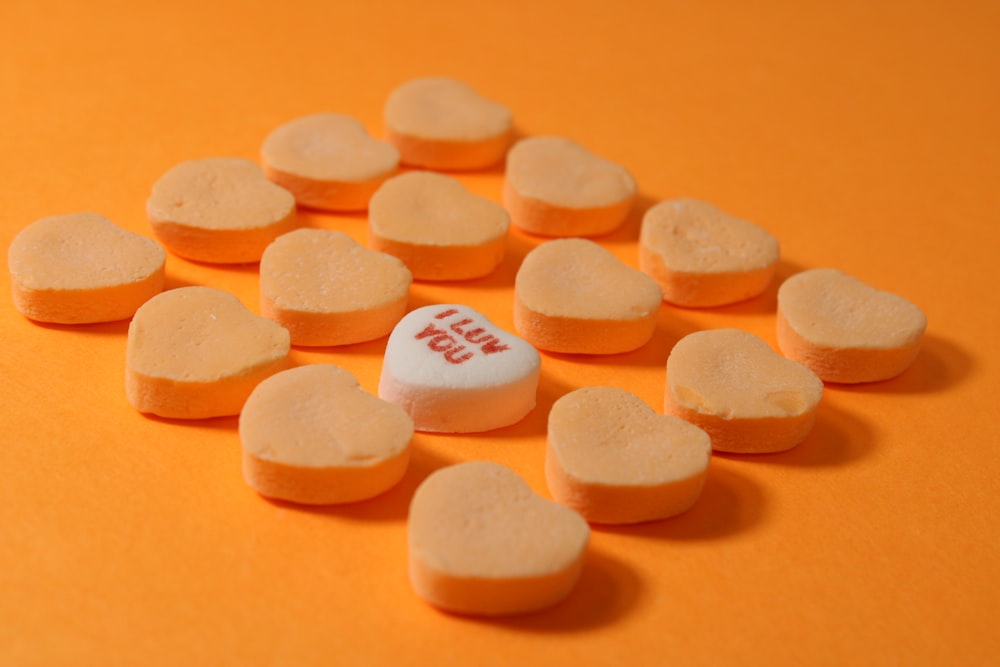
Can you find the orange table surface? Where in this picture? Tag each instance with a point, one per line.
(864, 135)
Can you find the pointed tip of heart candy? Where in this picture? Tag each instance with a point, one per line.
(482, 543)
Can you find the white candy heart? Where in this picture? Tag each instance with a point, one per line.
(453, 371)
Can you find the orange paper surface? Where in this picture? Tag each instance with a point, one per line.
(863, 135)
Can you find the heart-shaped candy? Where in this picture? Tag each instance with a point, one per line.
(328, 161)
(453, 371)
(845, 330)
(572, 295)
(442, 123)
(440, 230)
(312, 435)
(704, 257)
(82, 268)
(746, 396)
(327, 289)
(556, 187)
(220, 210)
(482, 542)
(197, 352)
(614, 460)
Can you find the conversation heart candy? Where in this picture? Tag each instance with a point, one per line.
(82, 268)
(703, 257)
(197, 352)
(746, 396)
(219, 210)
(572, 295)
(440, 230)
(481, 542)
(442, 123)
(845, 330)
(326, 289)
(556, 187)
(453, 371)
(328, 161)
(312, 435)
(614, 460)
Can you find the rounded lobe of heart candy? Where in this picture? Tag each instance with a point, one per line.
(573, 296)
(326, 289)
(453, 371)
(555, 187)
(439, 229)
(614, 460)
(482, 542)
(746, 396)
(442, 123)
(312, 435)
(845, 330)
(703, 257)
(82, 268)
(328, 161)
(220, 210)
(197, 352)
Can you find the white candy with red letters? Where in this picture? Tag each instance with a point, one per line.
(453, 371)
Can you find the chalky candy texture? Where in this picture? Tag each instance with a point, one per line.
(327, 289)
(439, 229)
(312, 435)
(219, 210)
(746, 396)
(82, 268)
(481, 542)
(615, 461)
(328, 161)
(453, 371)
(556, 187)
(444, 124)
(703, 257)
(573, 296)
(197, 352)
(845, 330)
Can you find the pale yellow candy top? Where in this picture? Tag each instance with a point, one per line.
(734, 374)
(696, 237)
(579, 278)
(608, 435)
(832, 309)
(80, 251)
(201, 334)
(319, 416)
(445, 109)
(563, 173)
(481, 519)
(219, 194)
(422, 207)
(323, 271)
(328, 147)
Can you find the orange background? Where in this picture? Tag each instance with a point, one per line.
(864, 135)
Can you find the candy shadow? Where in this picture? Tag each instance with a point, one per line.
(394, 504)
(765, 303)
(230, 423)
(838, 438)
(729, 504)
(116, 328)
(605, 593)
(939, 365)
(536, 422)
